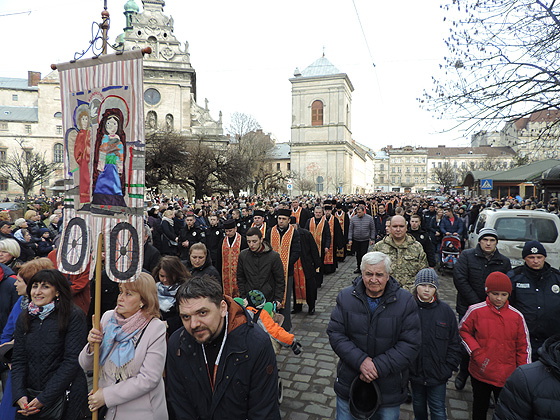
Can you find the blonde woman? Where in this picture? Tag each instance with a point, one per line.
(132, 355)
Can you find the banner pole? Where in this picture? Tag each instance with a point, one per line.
(97, 319)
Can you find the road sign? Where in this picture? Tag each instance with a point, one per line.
(320, 179)
(289, 186)
(486, 184)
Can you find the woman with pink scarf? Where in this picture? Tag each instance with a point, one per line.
(133, 347)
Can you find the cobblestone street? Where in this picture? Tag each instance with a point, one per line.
(308, 379)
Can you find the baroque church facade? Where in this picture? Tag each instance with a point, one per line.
(322, 150)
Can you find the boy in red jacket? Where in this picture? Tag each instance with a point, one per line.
(497, 339)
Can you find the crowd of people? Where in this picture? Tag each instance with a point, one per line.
(187, 340)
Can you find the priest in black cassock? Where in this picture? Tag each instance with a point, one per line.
(319, 228)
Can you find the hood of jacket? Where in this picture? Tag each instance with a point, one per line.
(267, 249)
(549, 354)
(5, 272)
(236, 314)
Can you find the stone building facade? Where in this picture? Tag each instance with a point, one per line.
(30, 109)
(321, 144)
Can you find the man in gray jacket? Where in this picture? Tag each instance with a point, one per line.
(361, 234)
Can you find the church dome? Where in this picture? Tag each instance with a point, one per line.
(131, 6)
(321, 67)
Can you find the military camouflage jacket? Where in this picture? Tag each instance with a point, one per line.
(407, 259)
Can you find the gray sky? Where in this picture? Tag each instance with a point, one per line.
(244, 52)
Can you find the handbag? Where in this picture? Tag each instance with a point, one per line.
(51, 412)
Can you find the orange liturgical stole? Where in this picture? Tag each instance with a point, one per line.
(330, 254)
(282, 245)
(297, 214)
(230, 256)
(341, 218)
(317, 232)
(262, 229)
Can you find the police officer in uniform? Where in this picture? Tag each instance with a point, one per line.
(189, 235)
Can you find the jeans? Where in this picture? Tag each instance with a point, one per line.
(385, 413)
(424, 396)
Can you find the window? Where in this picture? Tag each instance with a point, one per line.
(317, 113)
(27, 128)
(381, 179)
(278, 166)
(416, 169)
(58, 114)
(3, 126)
(393, 179)
(399, 169)
(3, 154)
(14, 98)
(58, 153)
(393, 170)
(3, 184)
(288, 166)
(439, 165)
(381, 167)
(59, 130)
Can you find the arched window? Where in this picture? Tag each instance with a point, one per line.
(151, 121)
(58, 153)
(317, 113)
(169, 122)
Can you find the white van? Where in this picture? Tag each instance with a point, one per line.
(515, 227)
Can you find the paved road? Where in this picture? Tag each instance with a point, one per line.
(308, 378)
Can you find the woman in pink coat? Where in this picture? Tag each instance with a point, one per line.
(132, 356)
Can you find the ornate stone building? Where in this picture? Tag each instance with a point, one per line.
(322, 147)
(30, 109)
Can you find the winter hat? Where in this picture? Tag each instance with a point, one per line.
(498, 282)
(427, 276)
(43, 231)
(20, 222)
(487, 232)
(256, 299)
(533, 248)
(365, 398)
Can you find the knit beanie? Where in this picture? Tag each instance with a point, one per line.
(533, 248)
(487, 232)
(427, 276)
(498, 282)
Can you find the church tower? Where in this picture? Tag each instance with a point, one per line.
(321, 140)
(169, 78)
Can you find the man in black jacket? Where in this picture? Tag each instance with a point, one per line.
(189, 235)
(219, 364)
(375, 331)
(469, 277)
(416, 230)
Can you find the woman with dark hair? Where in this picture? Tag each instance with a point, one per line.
(169, 274)
(108, 164)
(26, 272)
(132, 356)
(48, 338)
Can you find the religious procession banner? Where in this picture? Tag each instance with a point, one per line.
(104, 162)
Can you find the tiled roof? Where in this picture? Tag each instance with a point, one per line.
(547, 115)
(280, 151)
(444, 152)
(19, 114)
(13, 83)
(321, 67)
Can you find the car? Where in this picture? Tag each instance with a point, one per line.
(515, 227)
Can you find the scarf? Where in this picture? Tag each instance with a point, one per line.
(170, 221)
(166, 296)
(41, 311)
(118, 342)
(24, 302)
(19, 236)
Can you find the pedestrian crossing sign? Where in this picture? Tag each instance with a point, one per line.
(485, 184)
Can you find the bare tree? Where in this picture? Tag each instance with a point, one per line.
(304, 184)
(242, 124)
(27, 169)
(445, 176)
(502, 62)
